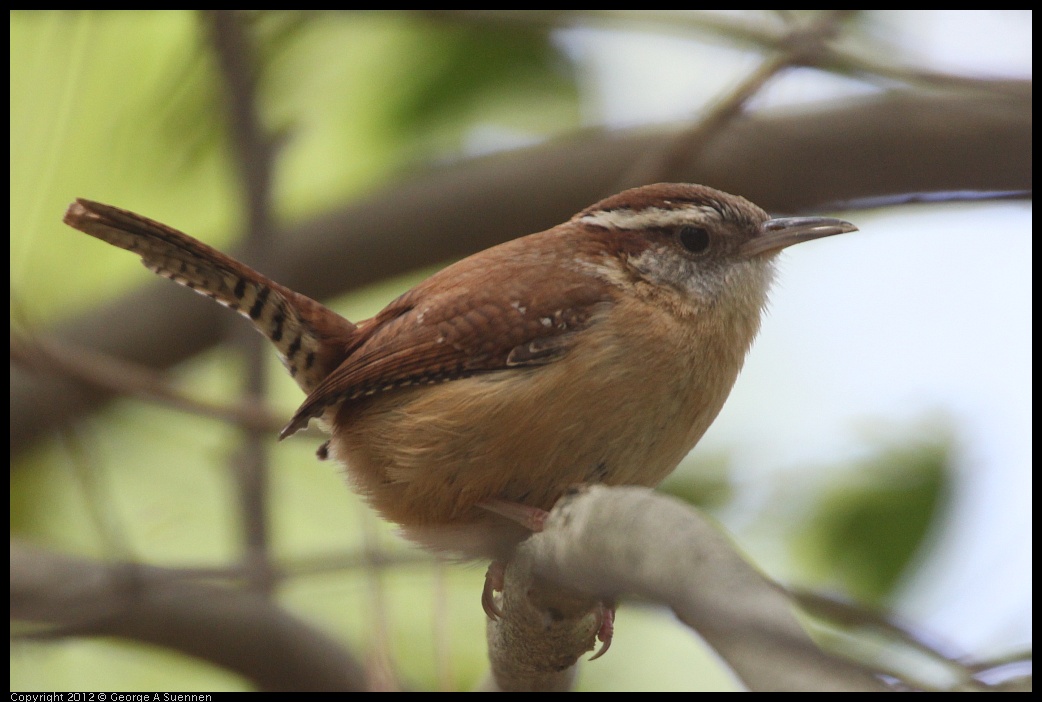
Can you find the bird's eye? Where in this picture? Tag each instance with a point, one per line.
(694, 239)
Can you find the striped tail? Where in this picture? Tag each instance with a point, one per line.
(310, 338)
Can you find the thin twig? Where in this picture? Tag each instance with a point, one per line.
(804, 45)
(237, 62)
(755, 32)
(43, 355)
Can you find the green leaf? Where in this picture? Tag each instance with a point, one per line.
(867, 534)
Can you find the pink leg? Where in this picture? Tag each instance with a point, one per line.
(532, 518)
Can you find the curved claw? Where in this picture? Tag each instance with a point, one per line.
(607, 629)
(493, 584)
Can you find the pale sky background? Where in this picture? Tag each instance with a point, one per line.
(925, 311)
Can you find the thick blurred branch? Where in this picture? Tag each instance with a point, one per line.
(795, 162)
(231, 628)
(606, 542)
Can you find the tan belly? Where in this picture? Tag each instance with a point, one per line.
(425, 457)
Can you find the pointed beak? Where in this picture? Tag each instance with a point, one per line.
(777, 234)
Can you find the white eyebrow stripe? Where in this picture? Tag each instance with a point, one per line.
(648, 217)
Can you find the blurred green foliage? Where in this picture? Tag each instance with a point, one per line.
(127, 107)
(869, 530)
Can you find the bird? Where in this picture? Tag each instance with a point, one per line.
(597, 351)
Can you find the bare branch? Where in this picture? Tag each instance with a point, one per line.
(253, 154)
(675, 556)
(47, 356)
(804, 45)
(756, 31)
(237, 630)
(541, 634)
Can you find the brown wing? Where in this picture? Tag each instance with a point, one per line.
(459, 323)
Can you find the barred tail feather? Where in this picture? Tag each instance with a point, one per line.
(302, 330)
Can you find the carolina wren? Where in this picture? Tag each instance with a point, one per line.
(597, 351)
